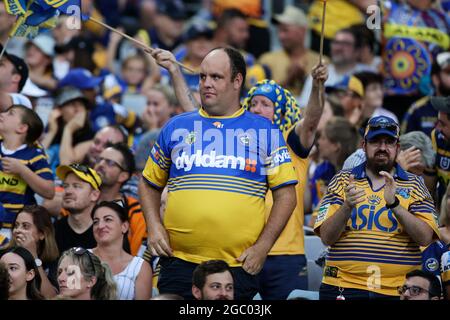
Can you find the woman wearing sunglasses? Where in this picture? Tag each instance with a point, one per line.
(133, 275)
(82, 276)
(24, 279)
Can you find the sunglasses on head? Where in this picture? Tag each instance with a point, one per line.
(79, 251)
(387, 126)
(85, 170)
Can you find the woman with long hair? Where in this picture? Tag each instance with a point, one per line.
(132, 275)
(23, 274)
(82, 276)
(33, 230)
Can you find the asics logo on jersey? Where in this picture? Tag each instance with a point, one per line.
(212, 160)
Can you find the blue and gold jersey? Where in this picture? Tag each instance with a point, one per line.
(218, 171)
(421, 116)
(14, 191)
(374, 252)
(442, 162)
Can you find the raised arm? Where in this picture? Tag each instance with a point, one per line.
(167, 60)
(306, 129)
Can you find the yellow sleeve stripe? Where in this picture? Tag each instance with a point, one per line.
(162, 154)
(43, 171)
(37, 158)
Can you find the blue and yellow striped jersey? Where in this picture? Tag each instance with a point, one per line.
(374, 252)
(421, 116)
(442, 163)
(218, 170)
(14, 191)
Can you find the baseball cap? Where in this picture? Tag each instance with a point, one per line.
(45, 43)
(381, 125)
(68, 94)
(20, 66)
(348, 83)
(291, 15)
(441, 104)
(443, 59)
(81, 79)
(83, 172)
(174, 9)
(197, 30)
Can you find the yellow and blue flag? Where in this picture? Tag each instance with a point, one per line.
(35, 14)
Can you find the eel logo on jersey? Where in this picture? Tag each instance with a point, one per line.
(190, 138)
(403, 192)
(444, 163)
(432, 264)
(244, 139)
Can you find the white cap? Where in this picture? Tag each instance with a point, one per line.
(45, 43)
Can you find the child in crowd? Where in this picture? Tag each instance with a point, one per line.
(24, 169)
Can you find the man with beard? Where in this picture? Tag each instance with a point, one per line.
(115, 166)
(421, 116)
(213, 280)
(440, 139)
(81, 192)
(374, 218)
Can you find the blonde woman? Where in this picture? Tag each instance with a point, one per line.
(82, 276)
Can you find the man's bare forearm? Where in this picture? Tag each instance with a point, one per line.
(284, 202)
(150, 200)
(184, 95)
(332, 228)
(417, 229)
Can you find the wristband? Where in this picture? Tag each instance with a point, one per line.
(394, 204)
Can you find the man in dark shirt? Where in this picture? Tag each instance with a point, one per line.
(81, 193)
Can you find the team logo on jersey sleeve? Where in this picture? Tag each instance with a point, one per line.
(444, 163)
(432, 264)
(403, 192)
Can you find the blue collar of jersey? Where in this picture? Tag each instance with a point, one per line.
(360, 172)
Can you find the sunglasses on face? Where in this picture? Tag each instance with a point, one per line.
(85, 170)
(111, 163)
(413, 290)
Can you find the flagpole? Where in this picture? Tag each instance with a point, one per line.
(322, 33)
(4, 47)
(147, 48)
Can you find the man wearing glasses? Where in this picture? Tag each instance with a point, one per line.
(81, 192)
(374, 218)
(116, 166)
(420, 285)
